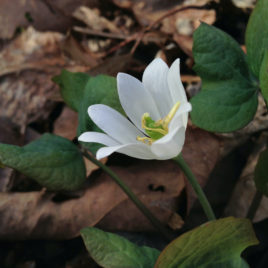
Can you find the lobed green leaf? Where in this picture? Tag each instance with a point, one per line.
(112, 251)
(228, 99)
(216, 244)
(52, 161)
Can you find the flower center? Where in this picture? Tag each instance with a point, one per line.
(156, 129)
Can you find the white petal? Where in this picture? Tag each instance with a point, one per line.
(174, 82)
(170, 145)
(154, 79)
(181, 116)
(114, 124)
(135, 100)
(97, 137)
(141, 151)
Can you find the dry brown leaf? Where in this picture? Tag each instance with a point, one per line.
(158, 186)
(35, 215)
(32, 50)
(148, 11)
(183, 24)
(28, 64)
(43, 15)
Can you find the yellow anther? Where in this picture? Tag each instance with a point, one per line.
(170, 115)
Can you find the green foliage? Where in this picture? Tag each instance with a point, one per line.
(228, 99)
(113, 251)
(264, 77)
(80, 90)
(52, 161)
(261, 173)
(215, 244)
(257, 36)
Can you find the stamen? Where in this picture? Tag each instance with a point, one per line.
(170, 115)
(158, 129)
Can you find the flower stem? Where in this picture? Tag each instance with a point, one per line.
(146, 212)
(196, 186)
(254, 205)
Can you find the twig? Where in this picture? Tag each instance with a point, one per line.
(98, 33)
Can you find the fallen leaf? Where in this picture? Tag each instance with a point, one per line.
(55, 15)
(158, 186)
(148, 11)
(36, 215)
(183, 24)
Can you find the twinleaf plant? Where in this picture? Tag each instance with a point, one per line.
(153, 118)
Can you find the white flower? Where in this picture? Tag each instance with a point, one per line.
(158, 109)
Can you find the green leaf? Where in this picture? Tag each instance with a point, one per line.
(228, 99)
(257, 36)
(113, 251)
(214, 244)
(264, 77)
(80, 90)
(72, 87)
(52, 161)
(261, 173)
